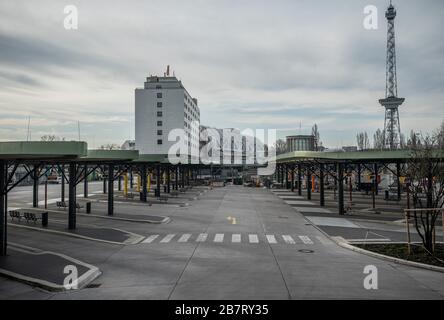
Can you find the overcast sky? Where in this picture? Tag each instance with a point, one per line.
(250, 64)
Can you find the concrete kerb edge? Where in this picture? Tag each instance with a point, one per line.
(388, 258)
(165, 219)
(73, 235)
(89, 276)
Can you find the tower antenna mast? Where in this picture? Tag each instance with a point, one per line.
(391, 102)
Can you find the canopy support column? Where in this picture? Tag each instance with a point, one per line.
(110, 189)
(308, 183)
(158, 177)
(3, 209)
(62, 195)
(72, 196)
(85, 182)
(398, 180)
(142, 177)
(340, 180)
(321, 185)
(35, 186)
(168, 178)
(299, 179)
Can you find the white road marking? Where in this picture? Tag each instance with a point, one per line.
(202, 237)
(302, 203)
(323, 240)
(253, 238)
(331, 222)
(288, 239)
(150, 238)
(236, 238)
(369, 240)
(306, 240)
(219, 237)
(167, 238)
(184, 238)
(271, 238)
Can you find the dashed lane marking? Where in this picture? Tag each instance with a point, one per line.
(306, 240)
(253, 238)
(167, 238)
(184, 238)
(202, 237)
(271, 238)
(150, 238)
(288, 239)
(219, 237)
(236, 238)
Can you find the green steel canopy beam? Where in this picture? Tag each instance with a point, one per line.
(42, 150)
(109, 155)
(371, 155)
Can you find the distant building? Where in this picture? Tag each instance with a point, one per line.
(163, 104)
(242, 146)
(129, 145)
(300, 143)
(350, 148)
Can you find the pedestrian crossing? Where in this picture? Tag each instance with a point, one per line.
(234, 238)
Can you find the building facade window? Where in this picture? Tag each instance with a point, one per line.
(159, 104)
(159, 132)
(159, 141)
(159, 94)
(159, 113)
(159, 123)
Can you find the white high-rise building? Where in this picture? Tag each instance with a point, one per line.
(163, 104)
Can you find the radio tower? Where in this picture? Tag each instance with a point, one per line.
(392, 129)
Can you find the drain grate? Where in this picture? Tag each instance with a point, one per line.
(306, 251)
(93, 285)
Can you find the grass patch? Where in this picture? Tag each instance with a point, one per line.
(400, 251)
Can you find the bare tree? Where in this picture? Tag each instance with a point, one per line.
(362, 141)
(51, 137)
(425, 172)
(440, 136)
(109, 146)
(414, 140)
(378, 139)
(280, 146)
(315, 134)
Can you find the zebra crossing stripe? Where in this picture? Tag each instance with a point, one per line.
(288, 239)
(323, 240)
(236, 238)
(167, 238)
(306, 240)
(253, 238)
(219, 237)
(202, 237)
(150, 238)
(271, 238)
(184, 238)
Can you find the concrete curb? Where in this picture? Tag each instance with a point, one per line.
(388, 258)
(133, 239)
(89, 276)
(165, 219)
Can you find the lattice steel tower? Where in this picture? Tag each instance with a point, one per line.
(392, 129)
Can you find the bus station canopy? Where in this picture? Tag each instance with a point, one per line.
(100, 155)
(42, 150)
